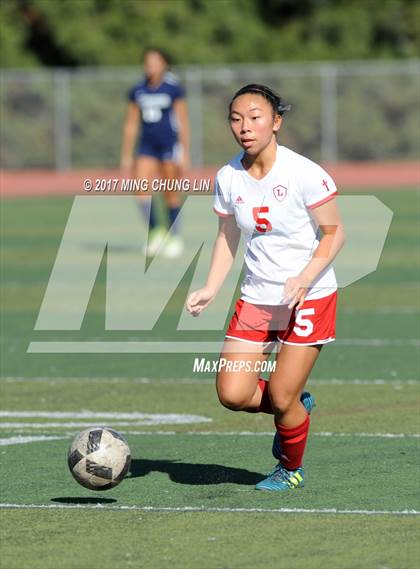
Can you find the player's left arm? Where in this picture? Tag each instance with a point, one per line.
(181, 112)
(327, 217)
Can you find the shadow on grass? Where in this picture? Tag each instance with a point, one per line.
(194, 474)
(88, 500)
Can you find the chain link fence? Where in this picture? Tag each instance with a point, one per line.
(65, 118)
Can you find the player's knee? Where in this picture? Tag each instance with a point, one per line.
(282, 402)
(231, 400)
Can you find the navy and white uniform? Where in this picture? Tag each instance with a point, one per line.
(159, 127)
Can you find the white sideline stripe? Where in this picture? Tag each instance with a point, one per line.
(204, 381)
(334, 511)
(19, 440)
(131, 347)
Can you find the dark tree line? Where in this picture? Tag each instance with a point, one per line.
(115, 32)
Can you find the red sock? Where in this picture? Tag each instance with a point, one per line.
(293, 442)
(265, 405)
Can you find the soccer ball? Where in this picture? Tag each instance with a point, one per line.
(99, 458)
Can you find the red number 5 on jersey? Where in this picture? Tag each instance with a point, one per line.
(261, 223)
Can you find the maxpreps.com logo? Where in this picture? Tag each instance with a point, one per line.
(280, 192)
(109, 230)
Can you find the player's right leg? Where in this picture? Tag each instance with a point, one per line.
(238, 382)
(249, 341)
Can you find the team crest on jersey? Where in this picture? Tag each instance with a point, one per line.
(280, 192)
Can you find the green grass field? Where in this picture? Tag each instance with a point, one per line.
(189, 500)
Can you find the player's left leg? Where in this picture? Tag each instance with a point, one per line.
(291, 418)
(173, 204)
(293, 366)
(147, 167)
(308, 401)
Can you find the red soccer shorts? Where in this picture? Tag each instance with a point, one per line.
(312, 324)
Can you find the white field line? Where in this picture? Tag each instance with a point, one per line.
(193, 381)
(86, 414)
(101, 507)
(136, 380)
(270, 434)
(335, 381)
(20, 440)
(407, 309)
(84, 424)
(203, 433)
(175, 347)
(379, 342)
(373, 435)
(121, 419)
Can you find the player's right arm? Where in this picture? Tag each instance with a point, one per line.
(224, 252)
(130, 132)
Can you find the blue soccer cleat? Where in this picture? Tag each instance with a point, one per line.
(308, 402)
(282, 479)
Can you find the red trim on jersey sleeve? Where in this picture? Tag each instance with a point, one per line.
(220, 214)
(325, 200)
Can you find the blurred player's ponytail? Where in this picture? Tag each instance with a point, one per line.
(278, 105)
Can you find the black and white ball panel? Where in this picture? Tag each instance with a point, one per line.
(99, 458)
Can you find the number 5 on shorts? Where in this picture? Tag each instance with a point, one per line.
(304, 326)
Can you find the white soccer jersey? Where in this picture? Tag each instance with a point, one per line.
(274, 216)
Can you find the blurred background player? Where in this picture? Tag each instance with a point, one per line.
(158, 102)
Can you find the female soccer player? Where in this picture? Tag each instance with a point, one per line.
(163, 147)
(284, 205)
